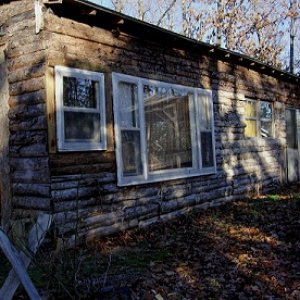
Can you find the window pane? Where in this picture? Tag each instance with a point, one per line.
(266, 128)
(207, 149)
(291, 129)
(131, 153)
(266, 110)
(251, 128)
(128, 105)
(266, 122)
(250, 109)
(82, 126)
(205, 113)
(168, 133)
(79, 92)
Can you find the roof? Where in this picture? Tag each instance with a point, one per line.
(99, 16)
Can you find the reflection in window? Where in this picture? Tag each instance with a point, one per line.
(80, 92)
(82, 126)
(167, 128)
(128, 105)
(266, 119)
(129, 127)
(251, 118)
(80, 109)
(163, 131)
(291, 129)
(131, 153)
(258, 118)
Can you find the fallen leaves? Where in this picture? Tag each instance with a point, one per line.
(232, 252)
(249, 249)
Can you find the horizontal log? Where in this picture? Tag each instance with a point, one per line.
(34, 123)
(140, 193)
(176, 192)
(27, 86)
(23, 138)
(27, 59)
(35, 150)
(33, 47)
(93, 234)
(146, 223)
(83, 169)
(31, 98)
(82, 177)
(29, 176)
(32, 164)
(27, 72)
(74, 205)
(14, 9)
(73, 181)
(31, 189)
(81, 158)
(206, 187)
(35, 203)
(26, 111)
(103, 219)
(169, 206)
(75, 193)
(147, 216)
(136, 212)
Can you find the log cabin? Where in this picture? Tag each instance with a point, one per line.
(109, 123)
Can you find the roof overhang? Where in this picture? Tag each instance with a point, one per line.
(99, 16)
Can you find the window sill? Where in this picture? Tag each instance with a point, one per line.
(122, 182)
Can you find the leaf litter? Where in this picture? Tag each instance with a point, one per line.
(248, 249)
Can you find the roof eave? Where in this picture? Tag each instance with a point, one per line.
(96, 15)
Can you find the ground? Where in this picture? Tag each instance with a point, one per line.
(249, 249)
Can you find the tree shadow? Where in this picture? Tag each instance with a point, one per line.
(86, 183)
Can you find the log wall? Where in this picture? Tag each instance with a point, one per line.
(28, 150)
(81, 188)
(84, 186)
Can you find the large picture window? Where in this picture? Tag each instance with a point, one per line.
(80, 109)
(163, 131)
(258, 118)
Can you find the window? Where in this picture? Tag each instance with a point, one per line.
(80, 106)
(291, 128)
(259, 118)
(163, 131)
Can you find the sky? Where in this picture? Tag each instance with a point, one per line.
(106, 3)
(285, 41)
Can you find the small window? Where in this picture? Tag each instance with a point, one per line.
(80, 108)
(163, 131)
(266, 119)
(258, 118)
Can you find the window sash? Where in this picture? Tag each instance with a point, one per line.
(259, 120)
(79, 144)
(194, 102)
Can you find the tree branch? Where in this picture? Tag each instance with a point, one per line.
(166, 12)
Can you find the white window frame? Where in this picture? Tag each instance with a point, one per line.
(79, 145)
(258, 118)
(195, 110)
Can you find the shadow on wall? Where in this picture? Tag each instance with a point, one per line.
(83, 185)
(250, 165)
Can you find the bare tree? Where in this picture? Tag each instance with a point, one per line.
(118, 5)
(166, 13)
(258, 28)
